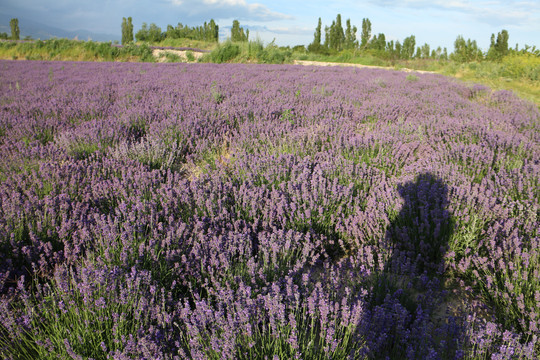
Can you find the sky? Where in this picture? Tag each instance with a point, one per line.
(290, 22)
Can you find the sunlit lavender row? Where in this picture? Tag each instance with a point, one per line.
(202, 211)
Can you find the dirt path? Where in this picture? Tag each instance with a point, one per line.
(321, 63)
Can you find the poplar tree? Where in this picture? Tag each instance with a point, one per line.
(378, 42)
(124, 31)
(316, 46)
(366, 33)
(339, 35)
(350, 36)
(335, 36)
(15, 32)
(237, 32)
(498, 48)
(129, 30)
(466, 51)
(409, 44)
(425, 51)
(317, 39)
(214, 31)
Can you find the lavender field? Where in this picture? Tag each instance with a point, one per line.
(203, 211)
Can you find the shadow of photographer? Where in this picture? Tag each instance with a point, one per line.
(408, 298)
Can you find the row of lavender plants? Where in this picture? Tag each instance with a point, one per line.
(205, 211)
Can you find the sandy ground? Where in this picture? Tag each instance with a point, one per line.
(320, 63)
(160, 54)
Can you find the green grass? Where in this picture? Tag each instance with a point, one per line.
(196, 44)
(73, 50)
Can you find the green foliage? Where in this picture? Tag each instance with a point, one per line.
(407, 50)
(172, 58)
(466, 51)
(334, 35)
(237, 32)
(412, 78)
(350, 36)
(15, 32)
(189, 56)
(514, 66)
(316, 46)
(64, 49)
(252, 51)
(150, 33)
(518, 66)
(272, 54)
(224, 53)
(127, 31)
(207, 32)
(378, 42)
(424, 51)
(499, 48)
(124, 31)
(299, 49)
(366, 33)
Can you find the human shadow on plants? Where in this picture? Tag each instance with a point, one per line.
(405, 305)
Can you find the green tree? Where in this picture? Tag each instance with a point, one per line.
(409, 44)
(498, 48)
(466, 51)
(129, 30)
(437, 54)
(425, 51)
(15, 32)
(207, 32)
(316, 46)
(398, 50)
(334, 35)
(317, 39)
(378, 42)
(366, 33)
(502, 42)
(350, 36)
(391, 49)
(124, 31)
(150, 34)
(154, 33)
(326, 43)
(213, 30)
(237, 32)
(339, 34)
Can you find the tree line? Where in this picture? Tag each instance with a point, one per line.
(337, 39)
(207, 32)
(153, 33)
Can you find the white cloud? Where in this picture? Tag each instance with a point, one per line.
(229, 9)
(493, 12)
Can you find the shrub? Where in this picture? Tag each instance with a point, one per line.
(225, 53)
(190, 57)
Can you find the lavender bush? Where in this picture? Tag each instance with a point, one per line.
(204, 211)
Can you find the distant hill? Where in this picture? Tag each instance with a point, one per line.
(41, 31)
